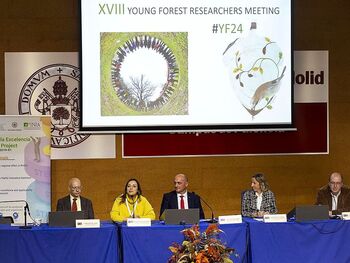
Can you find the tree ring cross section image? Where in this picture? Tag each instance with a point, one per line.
(144, 74)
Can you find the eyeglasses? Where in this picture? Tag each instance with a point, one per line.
(335, 183)
(76, 188)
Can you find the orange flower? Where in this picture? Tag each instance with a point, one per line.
(214, 253)
(212, 229)
(205, 247)
(201, 258)
(174, 248)
(191, 233)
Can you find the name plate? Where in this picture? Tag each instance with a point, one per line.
(138, 222)
(345, 216)
(276, 218)
(87, 223)
(231, 219)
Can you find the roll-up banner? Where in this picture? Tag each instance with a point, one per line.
(25, 167)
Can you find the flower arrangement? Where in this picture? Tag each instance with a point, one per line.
(199, 247)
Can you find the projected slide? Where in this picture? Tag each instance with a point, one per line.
(186, 65)
(145, 73)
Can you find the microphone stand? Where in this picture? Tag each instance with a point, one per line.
(212, 220)
(26, 207)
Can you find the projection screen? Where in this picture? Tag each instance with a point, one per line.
(159, 66)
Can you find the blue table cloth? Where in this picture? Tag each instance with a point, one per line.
(293, 242)
(318, 241)
(150, 244)
(62, 245)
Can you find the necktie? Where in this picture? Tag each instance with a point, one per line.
(182, 202)
(74, 205)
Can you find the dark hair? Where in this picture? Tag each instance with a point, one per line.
(260, 178)
(139, 191)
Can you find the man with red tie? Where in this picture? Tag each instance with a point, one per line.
(74, 201)
(180, 198)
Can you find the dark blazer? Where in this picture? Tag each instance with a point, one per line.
(324, 197)
(170, 202)
(63, 204)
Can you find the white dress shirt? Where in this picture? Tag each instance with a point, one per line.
(179, 200)
(258, 200)
(335, 200)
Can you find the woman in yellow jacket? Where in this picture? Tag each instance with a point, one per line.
(131, 204)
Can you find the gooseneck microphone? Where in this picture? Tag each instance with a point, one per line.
(212, 220)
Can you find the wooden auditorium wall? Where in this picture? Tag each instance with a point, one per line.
(38, 26)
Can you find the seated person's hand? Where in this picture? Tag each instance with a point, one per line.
(262, 213)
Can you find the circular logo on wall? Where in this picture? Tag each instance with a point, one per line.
(54, 90)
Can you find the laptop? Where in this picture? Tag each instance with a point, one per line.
(309, 213)
(65, 218)
(6, 220)
(181, 216)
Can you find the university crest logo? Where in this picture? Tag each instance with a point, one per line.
(54, 90)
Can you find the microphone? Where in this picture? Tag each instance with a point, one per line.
(212, 220)
(26, 208)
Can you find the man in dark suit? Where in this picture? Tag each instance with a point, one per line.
(74, 201)
(180, 198)
(335, 194)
